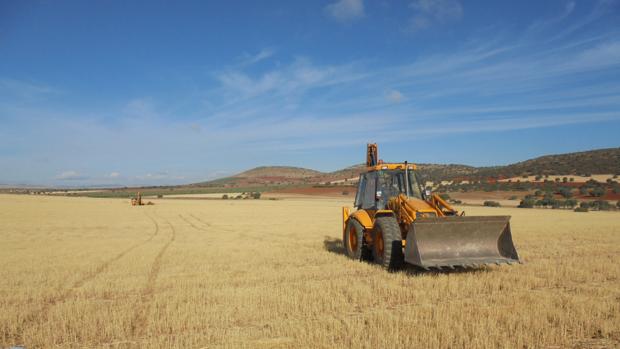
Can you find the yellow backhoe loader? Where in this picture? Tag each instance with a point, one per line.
(397, 222)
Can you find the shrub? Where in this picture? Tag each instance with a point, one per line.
(583, 190)
(225, 197)
(256, 195)
(618, 204)
(566, 192)
(492, 204)
(345, 192)
(601, 205)
(444, 196)
(597, 192)
(513, 197)
(159, 196)
(581, 209)
(570, 203)
(527, 203)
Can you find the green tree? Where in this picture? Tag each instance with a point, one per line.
(566, 192)
(570, 203)
(597, 192)
(601, 205)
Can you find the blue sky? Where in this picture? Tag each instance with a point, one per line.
(104, 92)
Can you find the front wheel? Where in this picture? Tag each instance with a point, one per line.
(387, 248)
(353, 241)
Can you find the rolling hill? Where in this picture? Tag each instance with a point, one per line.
(601, 161)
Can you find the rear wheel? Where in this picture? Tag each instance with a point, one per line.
(353, 240)
(387, 248)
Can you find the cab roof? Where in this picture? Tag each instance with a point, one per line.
(390, 166)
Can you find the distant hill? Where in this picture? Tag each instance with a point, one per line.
(602, 161)
(278, 171)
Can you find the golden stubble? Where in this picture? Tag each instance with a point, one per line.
(79, 272)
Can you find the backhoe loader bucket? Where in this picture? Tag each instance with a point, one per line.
(460, 241)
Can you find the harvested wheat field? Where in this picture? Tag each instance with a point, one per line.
(80, 272)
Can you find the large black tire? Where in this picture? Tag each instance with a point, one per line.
(353, 241)
(387, 248)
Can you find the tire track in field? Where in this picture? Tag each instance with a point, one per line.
(42, 312)
(192, 224)
(139, 320)
(219, 228)
(261, 238)
(200, 220)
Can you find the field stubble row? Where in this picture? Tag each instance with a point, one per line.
(99, 273)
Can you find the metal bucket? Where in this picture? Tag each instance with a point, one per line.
(460, 241)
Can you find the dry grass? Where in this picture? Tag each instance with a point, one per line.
(80, 272)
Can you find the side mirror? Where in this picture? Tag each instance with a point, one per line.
(427, 192)
(378, 195)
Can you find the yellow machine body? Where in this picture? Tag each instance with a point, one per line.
(398, 221)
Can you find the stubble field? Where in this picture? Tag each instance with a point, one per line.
(79, 272)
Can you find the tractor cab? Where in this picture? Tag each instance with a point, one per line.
(376, 187)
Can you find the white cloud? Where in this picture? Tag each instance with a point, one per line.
(20, 90)
(293, 78)
(140, 108)
(601, 56)
(70, 176)
(427, 12)
(114, 175)
(395, 96)
(345, 10)
(263, 54)
(158, 176)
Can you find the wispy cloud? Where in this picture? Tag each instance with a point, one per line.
(395, 96)
(249, 59)
(345, 10)
(140, 108)
(296, 77)
(17, 91)
(546, 23)
(70, 176)
(429, 12)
